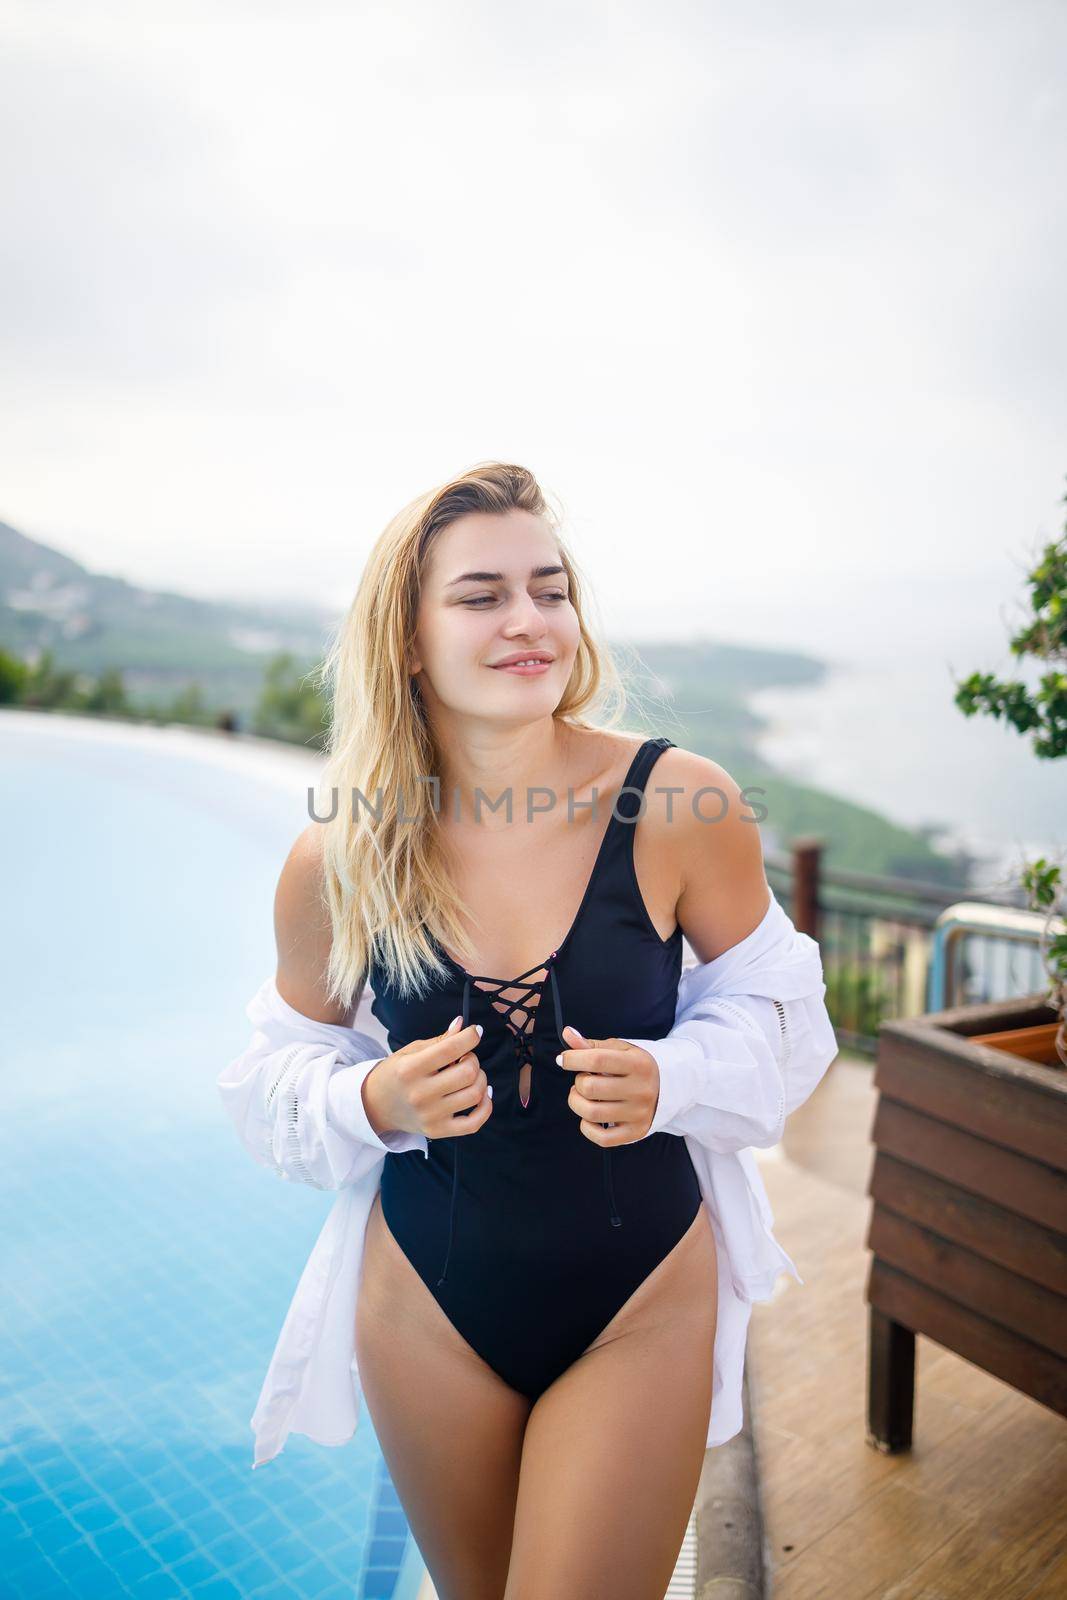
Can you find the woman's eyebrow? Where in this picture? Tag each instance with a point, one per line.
(498, 577)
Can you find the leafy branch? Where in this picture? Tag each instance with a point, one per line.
(1042, 712)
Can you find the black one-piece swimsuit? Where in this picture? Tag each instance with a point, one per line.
(529, 1235)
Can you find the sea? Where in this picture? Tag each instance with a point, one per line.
(881, 727)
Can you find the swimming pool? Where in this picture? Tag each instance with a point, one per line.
(148, 1262)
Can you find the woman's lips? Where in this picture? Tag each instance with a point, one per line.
(534, 671)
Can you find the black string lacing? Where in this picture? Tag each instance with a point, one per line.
(524, 1053)
(455, 1147)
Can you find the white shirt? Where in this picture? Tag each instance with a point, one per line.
(751, 1040)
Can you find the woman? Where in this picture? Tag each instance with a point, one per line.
(539, 1278)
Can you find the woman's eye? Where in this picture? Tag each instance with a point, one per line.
(487, 599)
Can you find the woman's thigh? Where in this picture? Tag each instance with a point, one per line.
(614, 1448)
(449, 1427)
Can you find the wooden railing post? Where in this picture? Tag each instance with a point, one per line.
(806, 856)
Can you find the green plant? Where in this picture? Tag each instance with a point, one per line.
(188, 706)
(290, 705)
(1043, 713)
(856, 998)
(49, 687)
(107, 694)
(13, 676)
(1042, 881)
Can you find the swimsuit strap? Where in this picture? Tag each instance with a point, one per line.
(455, 1151)
(629, 800)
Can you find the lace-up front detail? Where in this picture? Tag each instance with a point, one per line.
(526, 1007)
(522, 1036)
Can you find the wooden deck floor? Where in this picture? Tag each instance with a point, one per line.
(977, 1510)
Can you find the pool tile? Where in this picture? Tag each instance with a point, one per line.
(112, 1542)
(158, 1586)
(94, 1516)
(150, 1274)
(138, 1562)
(194, 1568)
(379, 1583)
(315, 1576)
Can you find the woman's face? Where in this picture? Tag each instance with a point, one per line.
(495, 589)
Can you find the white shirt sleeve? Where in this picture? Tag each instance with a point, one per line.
(295, 1096)
(751, 1040)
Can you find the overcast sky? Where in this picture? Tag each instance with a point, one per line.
(769, 295)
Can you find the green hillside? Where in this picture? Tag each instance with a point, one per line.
(73, 639)
(160, 641)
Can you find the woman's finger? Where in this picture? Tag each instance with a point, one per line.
(598, 1086)
(608, 1060)
(604, 1134)
(595, 1110)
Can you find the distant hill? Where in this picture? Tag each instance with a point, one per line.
(695, 691)
(158, 640)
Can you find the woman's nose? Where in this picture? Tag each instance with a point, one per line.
(524, 616)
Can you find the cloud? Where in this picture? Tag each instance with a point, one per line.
(766, 278)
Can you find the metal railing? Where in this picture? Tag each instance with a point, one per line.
(986, 952)
(879, 936)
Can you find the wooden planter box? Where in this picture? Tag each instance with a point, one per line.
(968, 1228)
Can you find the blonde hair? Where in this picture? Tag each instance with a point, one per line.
(385, 878)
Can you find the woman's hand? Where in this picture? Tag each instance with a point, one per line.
(616, 1088)
(422, 1087)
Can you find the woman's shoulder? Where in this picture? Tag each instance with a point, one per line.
(685, 772)
(693, 773)
(681, 782)
(299, 893)
(709, 827)
(303, 931)
(696, 810)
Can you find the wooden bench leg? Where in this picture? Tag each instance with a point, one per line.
(890, 1384)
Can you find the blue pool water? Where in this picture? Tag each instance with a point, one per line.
(148, 1262)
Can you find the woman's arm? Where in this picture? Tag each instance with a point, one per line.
(752, 1036)
(295, 1094)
